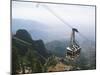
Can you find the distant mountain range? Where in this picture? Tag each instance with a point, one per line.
(36, 29)
(39, 30)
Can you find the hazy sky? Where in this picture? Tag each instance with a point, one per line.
(80, 17)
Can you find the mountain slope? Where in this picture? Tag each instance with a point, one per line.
(57, 47)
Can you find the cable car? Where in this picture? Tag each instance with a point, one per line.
(73, 50)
